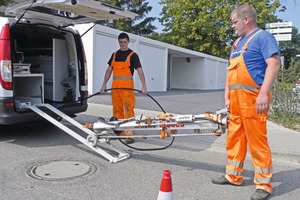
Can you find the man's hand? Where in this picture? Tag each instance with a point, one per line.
(103, 89)
(144, 91)
(106, 78)
(227, 104)
(262, 103)
(142, 77)
(226, 95)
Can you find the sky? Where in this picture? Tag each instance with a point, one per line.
(292, 13)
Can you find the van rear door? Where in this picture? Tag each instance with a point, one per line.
(66, 12)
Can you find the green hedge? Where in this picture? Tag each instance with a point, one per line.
(285, 103)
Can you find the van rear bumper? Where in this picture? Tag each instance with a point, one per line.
(9, 116)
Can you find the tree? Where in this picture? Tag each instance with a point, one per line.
(141, 25)
(205, 26)
(5, 2)
(289, 49)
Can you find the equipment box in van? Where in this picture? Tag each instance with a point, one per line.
(42, 58)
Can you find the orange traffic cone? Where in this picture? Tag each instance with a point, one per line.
(165, 192)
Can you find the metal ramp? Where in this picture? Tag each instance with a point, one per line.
(87, 142)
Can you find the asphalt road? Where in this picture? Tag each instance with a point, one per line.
(174, 101)
(193, 161)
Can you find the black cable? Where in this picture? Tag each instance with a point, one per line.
(129, 89)
(91, 95)
(140, 92)
(152, 149)
(88, 31)
(129, 146)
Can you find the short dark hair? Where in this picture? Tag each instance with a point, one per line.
(123, 35)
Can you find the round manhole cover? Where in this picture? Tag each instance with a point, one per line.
(60, 170)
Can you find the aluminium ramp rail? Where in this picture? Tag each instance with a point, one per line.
(121, 154)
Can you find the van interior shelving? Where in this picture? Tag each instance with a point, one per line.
(46, 56)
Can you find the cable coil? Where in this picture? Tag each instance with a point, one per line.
(135, 148)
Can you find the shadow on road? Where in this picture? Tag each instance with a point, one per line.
(38, 134)
(286, 180)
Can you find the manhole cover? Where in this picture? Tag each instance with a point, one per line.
(60, 170)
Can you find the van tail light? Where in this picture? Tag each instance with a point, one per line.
(85, 65)
(5, 59)
(9, 104)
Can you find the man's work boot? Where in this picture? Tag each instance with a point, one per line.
(260, 194)
(222, 181)
(128, 140)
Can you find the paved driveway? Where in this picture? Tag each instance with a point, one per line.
(193, 161)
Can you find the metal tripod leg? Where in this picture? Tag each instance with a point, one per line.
(122, 155)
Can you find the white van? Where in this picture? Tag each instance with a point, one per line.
(42, 58)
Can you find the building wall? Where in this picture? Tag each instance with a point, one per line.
(221, 75)
(203, 72)
(215, 74)
(199, 74)
(153, 59)
(101, 42)
(210, 74)
(188, 75)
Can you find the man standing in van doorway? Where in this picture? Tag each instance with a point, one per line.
(254, 66)
(122, 63)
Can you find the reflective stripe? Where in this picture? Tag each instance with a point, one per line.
(235, 163)
(122, 78)
(262, 180)
(263, 171)
(244, 87)
(232, 172)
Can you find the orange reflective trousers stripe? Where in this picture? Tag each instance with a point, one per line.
(123, 100)
(246, 126)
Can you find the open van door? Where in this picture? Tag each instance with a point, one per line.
(66, 12)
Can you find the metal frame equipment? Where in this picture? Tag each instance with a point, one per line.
(102, 131)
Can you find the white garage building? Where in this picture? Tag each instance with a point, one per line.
(165, 66)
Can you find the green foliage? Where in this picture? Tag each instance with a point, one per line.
(285, 103)
(292, 74)
(141, 25)
(5, 2)
(285, 106)
(205, 26)
(289, 49)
